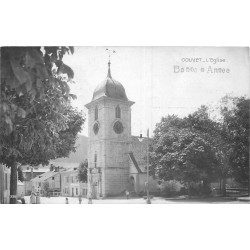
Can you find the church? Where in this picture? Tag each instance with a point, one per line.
(117, 160)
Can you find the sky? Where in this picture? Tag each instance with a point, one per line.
(161, 80)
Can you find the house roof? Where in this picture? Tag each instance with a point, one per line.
(39, 170)
(44, 176)
(69, 171)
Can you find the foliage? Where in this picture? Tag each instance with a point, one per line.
(83, 171)
(182, 153)
(199, 148)
(37, 122)
(47, 125)
(46, 188)
(170, 189)
(41, 136)
(27, 71)
(20, 174)
(235, 131)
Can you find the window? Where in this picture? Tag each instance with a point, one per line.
(53, 178)
(95, 160)
(76, 191)
(72, 179)
(96, 113)
(117, 112)
(6, 182)
(67, 179)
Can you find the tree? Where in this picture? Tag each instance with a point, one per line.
(83, 174)
(27, 70)
(46, 188)
(181, 152)
(20, 174)
(209, 144)
(234, 125)
(35, 102)
(213, 130)
(83, 171)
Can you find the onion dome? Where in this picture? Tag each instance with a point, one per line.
(110, 88)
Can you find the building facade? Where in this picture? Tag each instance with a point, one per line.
(30, 173)
(49, 182)
(4, 184)
(70, 186)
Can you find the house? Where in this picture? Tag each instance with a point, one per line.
(70, 186)
(4, 184)
(30, 173)
(47, 182)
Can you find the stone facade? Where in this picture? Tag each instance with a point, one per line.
(116, 159)
(108, 150)
(4, 184)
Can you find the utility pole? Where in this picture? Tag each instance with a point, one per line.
(148, 198)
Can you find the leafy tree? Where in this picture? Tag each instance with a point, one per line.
(46, 188)
(38, 122)
(83, 171)
(210, 143)
(20, 174)
(234, 125)
(180, 152)
(241, 123)
(83, 174)
(27, 70)
(213, 130)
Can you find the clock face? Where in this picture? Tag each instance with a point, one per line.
(118, 127)
(96, 128)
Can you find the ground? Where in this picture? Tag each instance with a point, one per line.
(122, 200)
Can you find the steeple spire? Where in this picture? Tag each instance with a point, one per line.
(110, 53)
(109, 71)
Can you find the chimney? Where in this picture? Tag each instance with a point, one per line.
(51, 167)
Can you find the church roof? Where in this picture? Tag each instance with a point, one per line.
(138, 154)
(110, 88)
(132, 157)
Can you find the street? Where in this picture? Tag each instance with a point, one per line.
(121, 200)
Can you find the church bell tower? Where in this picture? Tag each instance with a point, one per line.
(109, 132)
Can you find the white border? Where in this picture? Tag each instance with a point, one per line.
(189, 23)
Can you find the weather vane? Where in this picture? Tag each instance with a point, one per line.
(110, 53)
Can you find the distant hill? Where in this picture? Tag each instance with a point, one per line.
(75, 157)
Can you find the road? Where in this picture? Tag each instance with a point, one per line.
(156, 200)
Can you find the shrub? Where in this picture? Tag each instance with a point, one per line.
(170, 190)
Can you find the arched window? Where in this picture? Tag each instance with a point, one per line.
(117, 112)
(95, 159)
(96, 113)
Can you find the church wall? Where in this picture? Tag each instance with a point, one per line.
(109, 120)
(117, 180)
(111, 148)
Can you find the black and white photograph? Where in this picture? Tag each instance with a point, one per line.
(86, 125)
(125, 123)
